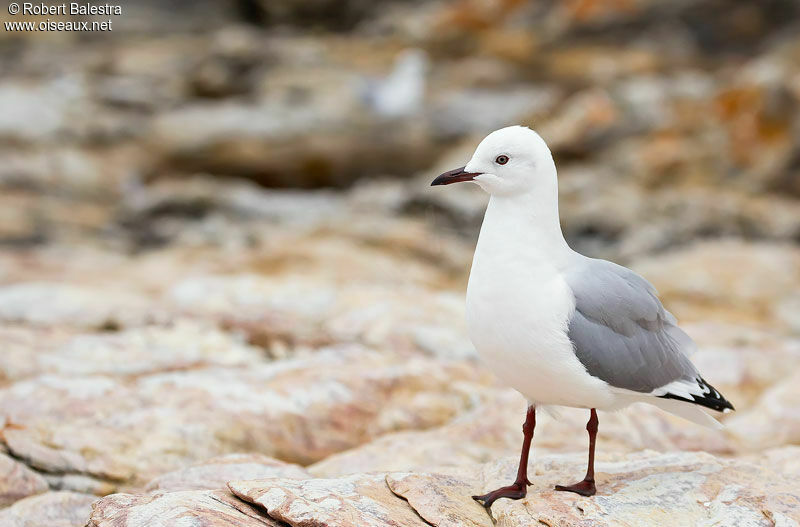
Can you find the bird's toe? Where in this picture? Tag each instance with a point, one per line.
(584, 488)
(512, 492)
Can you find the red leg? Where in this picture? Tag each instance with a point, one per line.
(586, 487)
(518, 489)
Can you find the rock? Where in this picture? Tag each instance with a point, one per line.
(126, 432)
(52, 304)
(320, 13)
(773, 420)
(783, 459)
(72, 172)
(460, 207)
(742, 362)
(216, 472)
(259, 141)
(200, 211)
(209, 508)
(636, 489)
(491, 430)
(138, 351)
(584, 119)
(757, 116)
(477, 110)
(196, 196)
(726, 280)
(642, 488)
(30, 220)
(300, 310)
(440, 511)
(20, 343)
(592, 62)
(51, 509)
(38, 112)
(358, 500)
(605, 215)
(708, 212)
(17, 481)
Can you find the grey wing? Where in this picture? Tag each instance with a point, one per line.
(620, 331)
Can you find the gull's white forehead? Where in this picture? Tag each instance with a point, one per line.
(509, 140)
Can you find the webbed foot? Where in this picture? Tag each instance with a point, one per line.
(513, 492)
(584, 488)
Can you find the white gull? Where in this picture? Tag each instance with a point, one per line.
(559, 327)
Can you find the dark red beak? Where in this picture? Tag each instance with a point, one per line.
(454, 176)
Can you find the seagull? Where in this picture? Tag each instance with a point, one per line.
(561, 328)
(402, 92)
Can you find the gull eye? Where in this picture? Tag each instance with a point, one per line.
(501, 160)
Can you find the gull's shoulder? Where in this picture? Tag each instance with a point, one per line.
(585, 270)
(612, 292)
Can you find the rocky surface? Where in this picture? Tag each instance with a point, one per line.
(216, 472)
(116, 433)
(616, 89)
(51, 509)
(634, 489)
(199, 507)
(640, 489)
(18, 481)
(228, 295)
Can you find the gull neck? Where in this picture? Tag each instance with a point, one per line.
(530, 223)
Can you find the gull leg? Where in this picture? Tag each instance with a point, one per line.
(586, 487)
(518, 489)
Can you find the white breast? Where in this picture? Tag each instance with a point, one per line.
(518, 311)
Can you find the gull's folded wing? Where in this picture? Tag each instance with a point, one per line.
(623, 335)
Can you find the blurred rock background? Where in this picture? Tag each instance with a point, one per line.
(217, 239)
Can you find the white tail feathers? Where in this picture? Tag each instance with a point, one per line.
(688, 411)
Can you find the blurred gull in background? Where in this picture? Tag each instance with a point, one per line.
(401, 93)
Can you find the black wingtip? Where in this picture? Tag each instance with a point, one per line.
(711, 398)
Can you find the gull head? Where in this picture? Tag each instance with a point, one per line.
(510, 161)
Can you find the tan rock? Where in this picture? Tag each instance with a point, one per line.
(259, 139)
(51, 509)
(742, 361)
(35, 351)
(301, 310)
(207, 508)
(127, 432)
(635, 489)
(728, 280)
(17, 481)
(452, 505)
(584, 115)
(50, 303)
(645, 489)
(75, 172)
(58, 109)
(580, 62)
(357, 500)
(488, 431)
(492, 430)
(784, 459)
(20, 347)
(216, 472)
(773, 420)
(81, 483)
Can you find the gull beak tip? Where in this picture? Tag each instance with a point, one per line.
(454, 176)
